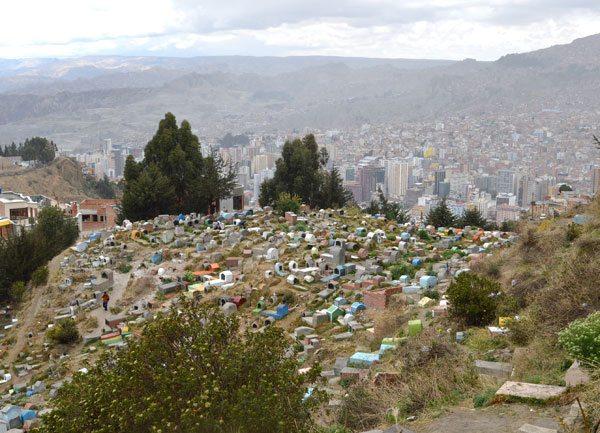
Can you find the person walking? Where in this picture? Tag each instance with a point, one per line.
(105, 299)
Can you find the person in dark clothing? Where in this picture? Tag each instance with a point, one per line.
(105, 299)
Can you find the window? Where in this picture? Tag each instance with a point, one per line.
(17, 214)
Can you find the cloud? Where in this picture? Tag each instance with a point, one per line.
(377, 28)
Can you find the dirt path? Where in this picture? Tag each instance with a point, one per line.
(28, 314)
(119, 285)
(494, 419)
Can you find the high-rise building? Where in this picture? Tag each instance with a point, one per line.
(526, 192)
(439, 177)
(506, 181)
(396, 178)
(443, 189)
(595, 180)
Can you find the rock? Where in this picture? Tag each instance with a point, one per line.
(343, 336)
(497, 369)
(530, 428)
(576, 375)
(530, 390)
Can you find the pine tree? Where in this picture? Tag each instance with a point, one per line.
(473, 218)
(441, 216)
(301, 171)
(174, 177)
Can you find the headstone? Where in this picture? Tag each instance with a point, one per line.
(497, 369)
(530, 428)
(576, 375)
(530, 390)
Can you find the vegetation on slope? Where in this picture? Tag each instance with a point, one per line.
(191, 371)
(34, 149)
(552, 277)
(24, 253)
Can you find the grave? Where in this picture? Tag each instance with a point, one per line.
(530, 391)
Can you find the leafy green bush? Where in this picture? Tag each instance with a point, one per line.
(17, 291)
(64, 332)
(423, 235)
(582, 339)
(287, 202)
(402, 269)
(39, 277)
(124, 268)
(473, 299)
(192, 370)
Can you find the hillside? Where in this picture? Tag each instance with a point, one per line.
(70, 99)
(61, 180)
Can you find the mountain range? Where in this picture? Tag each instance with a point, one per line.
(79, 101)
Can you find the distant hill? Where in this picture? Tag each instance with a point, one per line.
(76, 100)
(61, 180)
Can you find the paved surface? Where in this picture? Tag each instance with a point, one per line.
(493, 419)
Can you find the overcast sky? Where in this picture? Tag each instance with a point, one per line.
(443, 29)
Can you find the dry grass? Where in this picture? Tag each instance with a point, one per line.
(432, 373)
(136, 288)
(552, 275)
(543, 361)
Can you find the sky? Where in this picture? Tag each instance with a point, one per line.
(432, 29)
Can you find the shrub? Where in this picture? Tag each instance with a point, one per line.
(573, 232)
(39, 277)
(17, 291)
(485, 398)
(64, 332)
(402, 269)
(423, 235)
(582, 339)
(124, 268)
(287, 202)
(473, 299)
(431, 293)
(192, 370)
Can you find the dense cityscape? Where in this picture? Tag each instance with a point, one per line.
(507, 167)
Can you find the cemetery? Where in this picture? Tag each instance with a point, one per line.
(355, 293)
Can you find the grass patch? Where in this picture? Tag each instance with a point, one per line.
(485, 398)
(542, 362)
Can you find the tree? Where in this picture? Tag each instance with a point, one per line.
(149, 195)
(473, 218)
(179, 177)
(21, 254)
(565, 188)
(38, 149)
(392, 211)
(192, 370)
(105, 188)
(301, 171)
(287, 202)
(441, 216)
(473, 299)
(333, 194)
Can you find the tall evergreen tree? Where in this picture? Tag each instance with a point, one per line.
(473, 218)
(333, 193)
(441, 216)
(301, 171)
(174, 176)
(393, 211)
